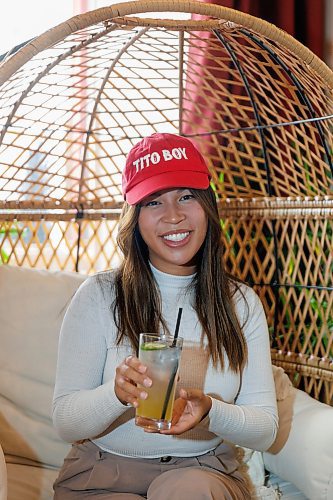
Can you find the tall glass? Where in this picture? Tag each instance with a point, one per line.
(161, 355)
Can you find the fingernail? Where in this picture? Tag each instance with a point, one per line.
(143, 395)
(147, 382)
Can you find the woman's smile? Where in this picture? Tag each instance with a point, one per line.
(173, 225)
(176, 238)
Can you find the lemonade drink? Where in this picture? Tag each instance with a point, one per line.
(162, 360)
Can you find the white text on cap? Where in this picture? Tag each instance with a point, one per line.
(155, 158)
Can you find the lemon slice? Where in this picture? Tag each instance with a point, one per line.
(152, 346)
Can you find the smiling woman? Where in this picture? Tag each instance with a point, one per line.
(170, 235)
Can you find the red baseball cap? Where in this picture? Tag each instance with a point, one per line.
(163, 161)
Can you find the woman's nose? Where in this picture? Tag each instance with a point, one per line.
(173, 214)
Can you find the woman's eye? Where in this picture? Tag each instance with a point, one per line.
(186, 197)
(152, 203)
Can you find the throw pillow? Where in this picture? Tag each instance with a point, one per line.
(303, 450)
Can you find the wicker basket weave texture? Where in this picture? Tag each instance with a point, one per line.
(258, 104)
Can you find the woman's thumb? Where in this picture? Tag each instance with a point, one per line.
(184, 394)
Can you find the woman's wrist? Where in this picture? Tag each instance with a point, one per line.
(209, 405)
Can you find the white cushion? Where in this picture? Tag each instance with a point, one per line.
(303, 451)
(32, 305)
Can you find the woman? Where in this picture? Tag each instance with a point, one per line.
(170, 236)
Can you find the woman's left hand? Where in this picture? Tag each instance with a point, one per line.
(189, 410)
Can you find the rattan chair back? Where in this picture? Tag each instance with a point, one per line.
(258, 104)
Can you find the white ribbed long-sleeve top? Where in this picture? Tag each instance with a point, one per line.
(85, 405)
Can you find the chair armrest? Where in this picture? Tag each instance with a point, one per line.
(3, 476)
(303, 451)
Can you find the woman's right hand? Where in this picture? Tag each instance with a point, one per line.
(129, 374)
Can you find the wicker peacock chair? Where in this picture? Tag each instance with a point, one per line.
(258, 104)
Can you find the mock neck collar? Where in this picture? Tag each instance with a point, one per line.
(171, 280)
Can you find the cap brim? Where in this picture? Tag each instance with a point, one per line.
(194, 180)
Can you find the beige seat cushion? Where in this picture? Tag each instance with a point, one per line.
(30, 483)
(32, 306)
(3, 476)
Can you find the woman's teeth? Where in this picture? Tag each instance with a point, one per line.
(176, 237)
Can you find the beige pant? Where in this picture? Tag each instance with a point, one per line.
(90, 472)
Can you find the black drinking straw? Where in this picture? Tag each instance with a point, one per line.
(172, 378)
(179, 317)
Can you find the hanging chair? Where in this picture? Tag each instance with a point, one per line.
(256, 102)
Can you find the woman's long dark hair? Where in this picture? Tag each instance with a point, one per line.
(137, 305)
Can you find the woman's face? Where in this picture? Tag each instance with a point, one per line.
(173, 225)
